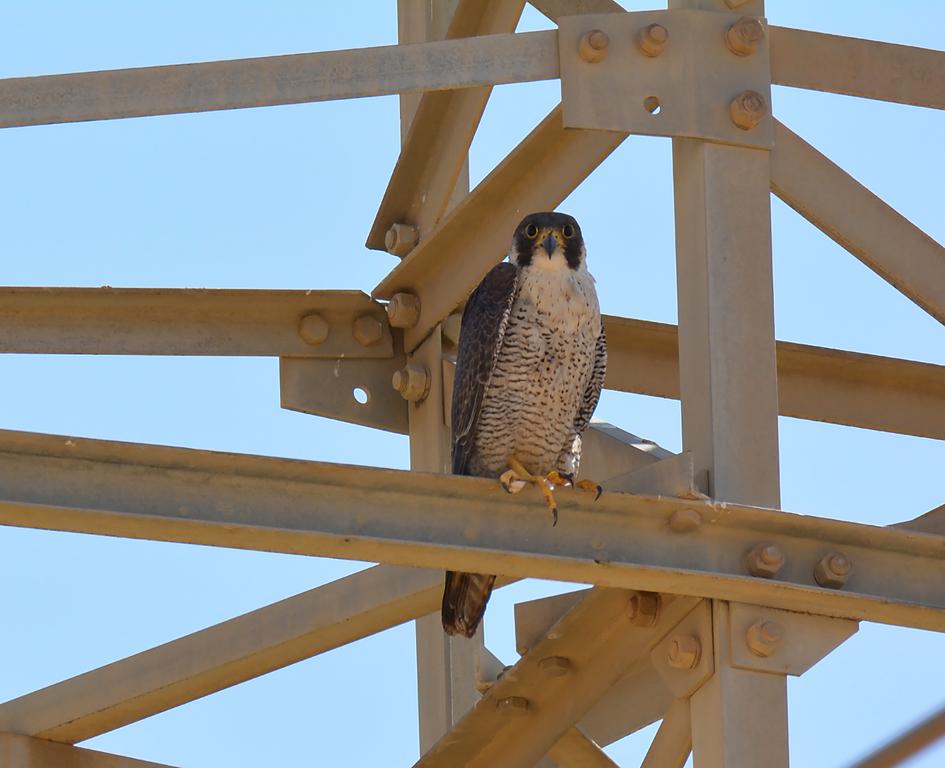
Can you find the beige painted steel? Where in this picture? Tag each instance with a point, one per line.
(693, 80)
(575, 750)
(908, 744)
(818, 383)
(931, 522)
(272, 80)
(425, 520)
(223, 655)
(673, 741)
(537, 175)
(727, 360)
(857, 67)
(553, 9)
(185, 321)
(527, 711)
(330, 388)
(855, 218)
(23, 752)
(683, 680)
(806, 638)
(673, 476)
(739, 718)
(435, 146)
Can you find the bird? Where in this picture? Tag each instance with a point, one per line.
(530, 366)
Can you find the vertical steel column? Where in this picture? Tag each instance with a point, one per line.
(729, 393)
(445, 666)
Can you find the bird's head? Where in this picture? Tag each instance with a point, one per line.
(550, 241)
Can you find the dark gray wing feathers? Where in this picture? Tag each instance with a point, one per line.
(594, 385)
(480, 339)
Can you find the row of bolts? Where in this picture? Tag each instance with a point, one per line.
(684, 651)
(742, 38)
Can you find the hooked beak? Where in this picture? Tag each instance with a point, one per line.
(549, 244)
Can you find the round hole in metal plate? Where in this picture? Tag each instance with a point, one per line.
(652, 105)
(361, 395)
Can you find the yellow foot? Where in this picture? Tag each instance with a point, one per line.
(516, 478)
(590, 486)
(566, 478)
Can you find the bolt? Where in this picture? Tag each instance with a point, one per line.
(685, 520)
(763, 637)
(403, 310)
(833, 570)
(367, 330)
(514, 704)
(643, 608)
(593, 46)
(401, 239)
(684, 652)
(555, 666)
(652, 40)
(313, 329)
(743, 36)
(764, 560)
(748, 109)
(412, 381)
(450, 329)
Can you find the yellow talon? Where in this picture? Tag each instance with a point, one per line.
(517, 474)
(590, 485)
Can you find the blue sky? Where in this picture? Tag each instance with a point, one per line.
(283, 198)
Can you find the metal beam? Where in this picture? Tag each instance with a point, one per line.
(537, 175)
(432, 521)
(529, 708)
(847, 212)
(857, 67)
(223, 655)
(832, 385)
(272, 80)
(908, 744)
(187, 321)
(23, 752)
(435, 146)
(575, 750)
(673, 741)
(553, 9)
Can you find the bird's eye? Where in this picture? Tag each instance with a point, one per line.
(568, 231)
(531, 231)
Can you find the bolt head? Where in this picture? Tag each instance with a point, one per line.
(555, 666)
(367, 330)
(652, 40)
(748, 109)
(764, 560)
(685, 520)
(743, 36)
(401, 239)
(683, 652)
(833, 570)
(403, 310)
(313, 329)
(643, 608)
(593, 46)
(764, 637)
(516, 705)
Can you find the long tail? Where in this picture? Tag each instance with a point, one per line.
(464, 601)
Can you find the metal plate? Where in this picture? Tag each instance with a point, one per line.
(694, 79)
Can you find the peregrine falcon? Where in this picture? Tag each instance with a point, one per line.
(529, 371)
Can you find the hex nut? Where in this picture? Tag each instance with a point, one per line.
(403, 310)
(517, 705)
(643, 608)
(412, 381)
(401, 239)
(555, 666)
(764, 560)
(652, 40)
(683, 652)
(685, 520)
(367, 330)
(593, 46)
(743, 36)
(763, 637)
(748, 109)
(313, 329)
(833, 570)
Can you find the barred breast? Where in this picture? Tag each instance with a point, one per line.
(541, 374)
